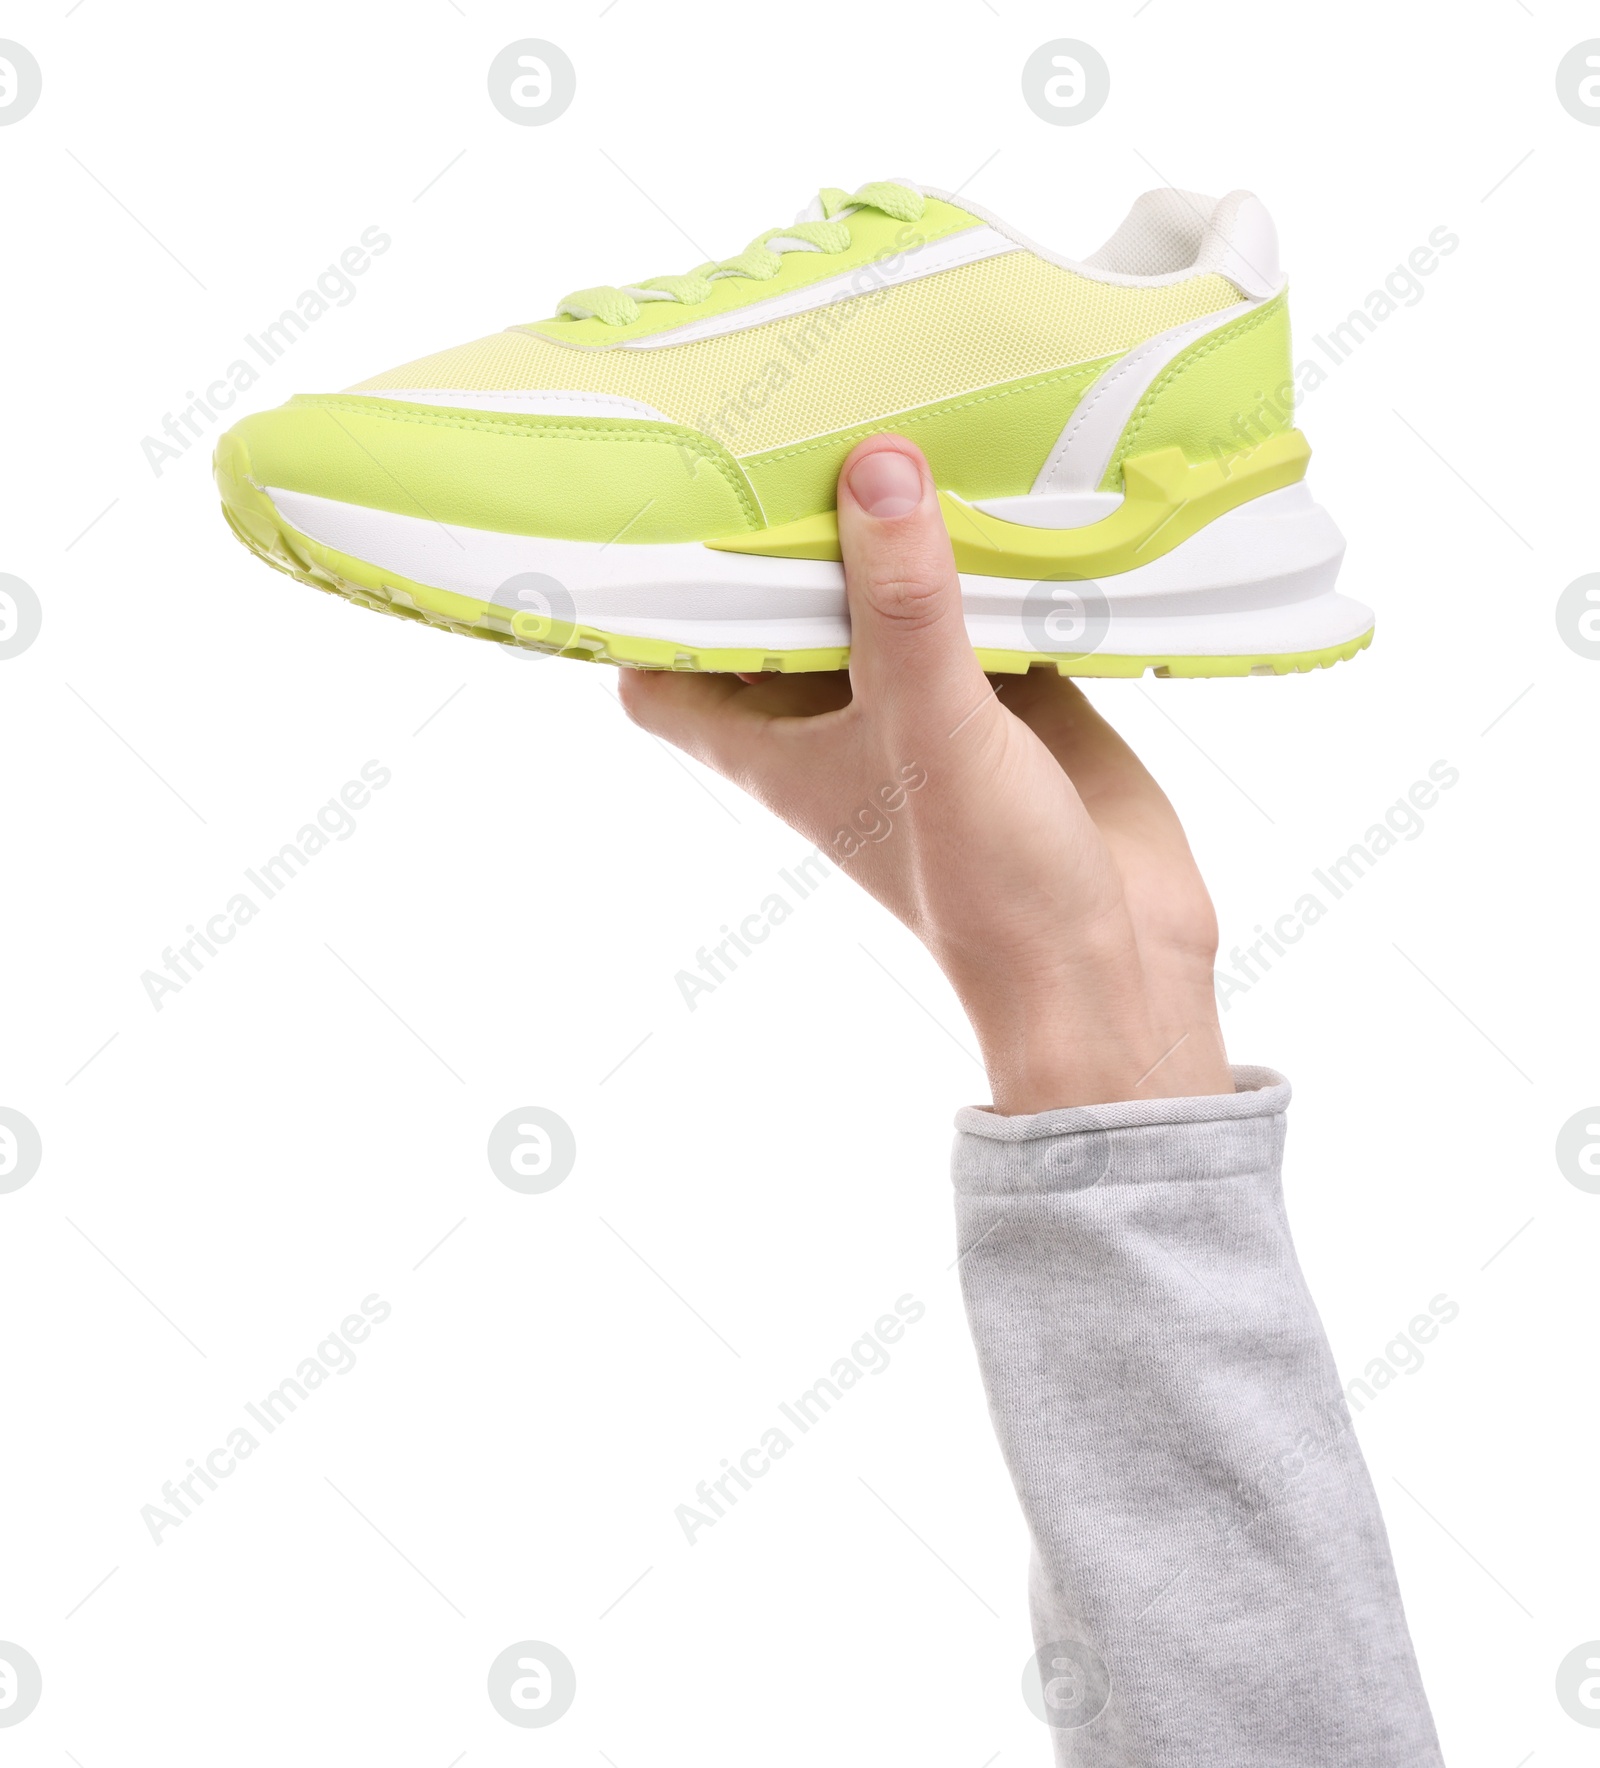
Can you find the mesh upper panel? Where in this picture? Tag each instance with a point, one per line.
(853, 363)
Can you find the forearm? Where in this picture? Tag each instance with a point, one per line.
(1202, 1519)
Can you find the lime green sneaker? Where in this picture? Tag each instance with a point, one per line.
(648, 477)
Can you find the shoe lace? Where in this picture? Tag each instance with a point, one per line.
(820, 227)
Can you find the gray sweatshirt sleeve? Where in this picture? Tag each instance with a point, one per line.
(1211, 1583)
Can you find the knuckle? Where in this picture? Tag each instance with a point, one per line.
(911, 600)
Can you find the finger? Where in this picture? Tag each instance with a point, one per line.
(723, 723)
(700, 714)
(802, 697)
(908, 639)
(1117, 790)
(1135, 819)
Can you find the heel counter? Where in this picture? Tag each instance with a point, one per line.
(1225, 394)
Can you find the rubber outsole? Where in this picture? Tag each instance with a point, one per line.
(260, 526)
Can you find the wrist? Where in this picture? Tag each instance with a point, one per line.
(1027, 1081)
(1096, 1042)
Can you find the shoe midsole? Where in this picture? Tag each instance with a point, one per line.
(1259, 578)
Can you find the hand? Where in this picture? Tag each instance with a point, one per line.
(1007, 825)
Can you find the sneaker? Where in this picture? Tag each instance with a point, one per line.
(648, 477)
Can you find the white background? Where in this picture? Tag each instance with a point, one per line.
(227, 1178)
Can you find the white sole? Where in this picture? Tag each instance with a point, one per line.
(1257, 581)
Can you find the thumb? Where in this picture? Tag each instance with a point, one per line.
(908, 638)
